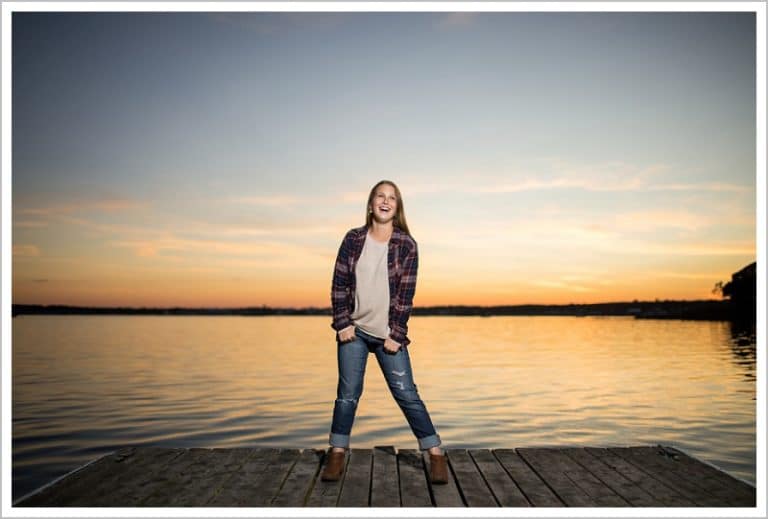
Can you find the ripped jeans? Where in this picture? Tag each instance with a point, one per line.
(352, 358)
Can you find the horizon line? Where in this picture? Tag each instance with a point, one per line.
(264, 306)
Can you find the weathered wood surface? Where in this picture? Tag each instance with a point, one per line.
(357, 481)
(414, 488)
(384, 490)
(649, 476)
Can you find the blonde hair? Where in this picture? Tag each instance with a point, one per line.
(399, 220)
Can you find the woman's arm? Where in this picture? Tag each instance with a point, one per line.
(339, 289)
(404, 297)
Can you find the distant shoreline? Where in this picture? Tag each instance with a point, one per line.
(714, 310)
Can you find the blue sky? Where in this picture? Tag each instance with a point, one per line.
(218, 158)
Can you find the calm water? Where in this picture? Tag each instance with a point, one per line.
(86, 385)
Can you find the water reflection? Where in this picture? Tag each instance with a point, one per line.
(85, 385)
(743, 343)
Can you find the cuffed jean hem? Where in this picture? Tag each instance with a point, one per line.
(339, 440)
(429, 441)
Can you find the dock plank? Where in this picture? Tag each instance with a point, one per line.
(665, 494)
(357, 483)
(385, 492)
(549, 465)
(264, 487)
(190, 481)
(469, 480)
(62, 491)
(294, 491)
(326, 493)
(621, 485)
(532, 486)
(413, 479)
(503, 487)
(720, 484)
(598, 491)
(443, 495)
(662, 469)
(128, 466)
(243, 484)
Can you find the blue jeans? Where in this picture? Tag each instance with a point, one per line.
(352, 358)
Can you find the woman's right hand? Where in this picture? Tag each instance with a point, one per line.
(347, 334)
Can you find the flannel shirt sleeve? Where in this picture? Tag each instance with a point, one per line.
(404, 299)
(339, 286)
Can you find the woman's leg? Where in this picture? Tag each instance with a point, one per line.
(352, 357)
(397, 371)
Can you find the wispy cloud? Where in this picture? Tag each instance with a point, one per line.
(715, 248)
(703, 186)
(558, 174)
(588, 279)
(689, 275)
(26, 250)
(541, 236)
(359, 197)
(554, 175)
(270, 23)
(29, 224)
(268, 201)
(455, 20)
(206, 247)
(653, 220)
(561, 285)
(278, 231)
(534, 184)
(203, 228)
(586, 184)
(115, 228)
(107, 206)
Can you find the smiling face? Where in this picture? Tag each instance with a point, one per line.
(383, 203)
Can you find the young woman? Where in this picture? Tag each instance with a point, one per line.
(372, 295)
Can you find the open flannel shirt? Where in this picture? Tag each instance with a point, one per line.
(402, 263)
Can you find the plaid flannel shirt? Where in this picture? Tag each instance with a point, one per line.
(402, 263)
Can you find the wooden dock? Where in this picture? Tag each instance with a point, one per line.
(649, 476)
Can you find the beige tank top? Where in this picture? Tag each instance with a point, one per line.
(371, 312)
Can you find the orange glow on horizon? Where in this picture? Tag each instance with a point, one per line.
(207, 293)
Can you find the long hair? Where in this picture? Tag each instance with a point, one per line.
(399, 220)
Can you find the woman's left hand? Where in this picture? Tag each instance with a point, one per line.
(391, 346)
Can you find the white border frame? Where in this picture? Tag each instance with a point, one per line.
(9, 7)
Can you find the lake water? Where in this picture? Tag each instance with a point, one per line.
(87, 385)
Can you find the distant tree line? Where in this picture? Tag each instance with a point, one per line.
(705, 309)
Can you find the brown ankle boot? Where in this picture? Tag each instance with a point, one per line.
(438, 472)
(334, 466)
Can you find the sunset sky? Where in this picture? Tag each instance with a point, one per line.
(217, 159)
